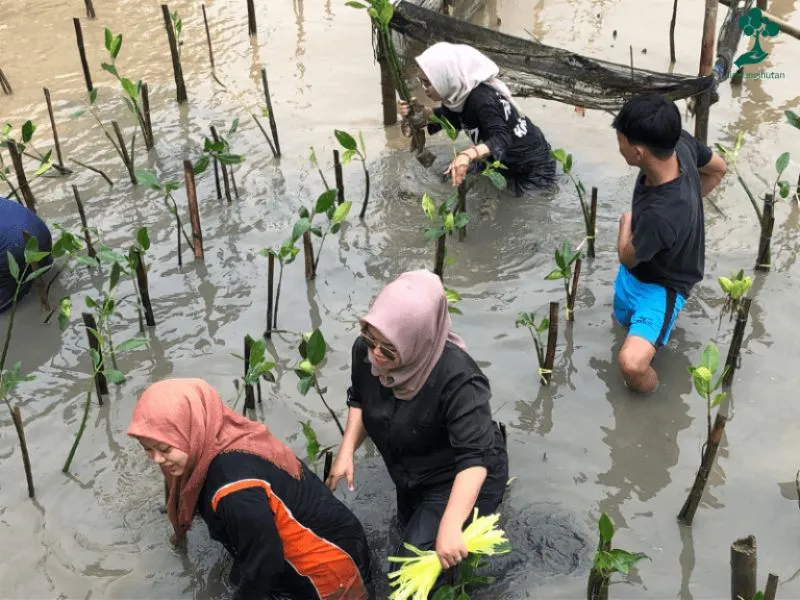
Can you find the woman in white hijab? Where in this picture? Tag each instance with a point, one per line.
(476, 101)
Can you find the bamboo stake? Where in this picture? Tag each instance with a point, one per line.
(5, 84)
(597, 588)
(149, 142)
(252, 29)
(216, 179)
(208, 38)
(308, 252)
(176, 59)
(328, 464)
(438, 264)
(672, 32)
(388, 94)
(249, 396)
(22, 180)
(53, 124)
(270, 290)
(707, 52)
(744, 568)
(732, 361)
(573, 291)
(772, 587)
(461, 206)
(686, 516)
(552, 337)
(271, 114)
(222, 168)
(337, 169)
(90, 9)
(99, 379)
(194, 213)
(592, 224)
(233, 182)
(764, 260)
(84, 225)
(124, 151)
(26, 460)
(144, 288)
(82, 51)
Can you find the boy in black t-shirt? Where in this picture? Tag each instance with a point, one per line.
(661, 242)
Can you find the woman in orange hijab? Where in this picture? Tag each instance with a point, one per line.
(287, 533)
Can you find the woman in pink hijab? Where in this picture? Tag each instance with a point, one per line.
(425, 404)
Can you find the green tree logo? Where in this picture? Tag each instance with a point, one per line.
(754, 24)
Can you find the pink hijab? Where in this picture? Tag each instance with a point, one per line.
(411, 313)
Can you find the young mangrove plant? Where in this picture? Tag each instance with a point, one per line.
(565, 257)
(256, 367)
(525, 319)
(351, 149)
(468, 578)
(11, 378)
(445, 220)
(735, 288)
(703, 378)
(218, 149)
(453, 298)
(17, 149)
(417, 574)
(335, 215)
(314, 450)
(312, 352)
(285, 255)
(589, 212)
(608, 561)
(149, 179)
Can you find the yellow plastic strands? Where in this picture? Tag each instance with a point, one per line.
(415, 578)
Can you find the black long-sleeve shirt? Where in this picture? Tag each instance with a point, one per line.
(286, 535)
(446, 428)
(489, 118)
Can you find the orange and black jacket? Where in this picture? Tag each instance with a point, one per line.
(287, 536)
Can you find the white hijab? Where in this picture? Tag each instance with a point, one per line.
(454, 70)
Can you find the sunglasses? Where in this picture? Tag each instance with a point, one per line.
(389, 352)
(426, 84)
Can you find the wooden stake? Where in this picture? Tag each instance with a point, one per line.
(308, 253)
(144, 289)
(176, 59)
(388, 94)
(22, 180)
(328, 464)
(124, 150)
(772, 587)
(761, 4)
(208, 38)
(461, 207)
(597, 588)
(337, 169)
(764, 259)
(84, 225)
(233, 182)
(686, 516)
(573, 291)
(84, 63)
(26, 460)
(149, 142)
(53, 124)
(271, 114)
(744, 568)
(4, 84)
(99, 379)
(707, 53)
(631, 50)
(732, 361)
(592, 225)
(552, 338)
(672, 32)
(194, 213)
(90, 9)
(270, 290)
(441, 250)
(252, 29)
(216, 179)
(249, 395)
(223, 169)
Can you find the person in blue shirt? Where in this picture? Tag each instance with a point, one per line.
(14, 220)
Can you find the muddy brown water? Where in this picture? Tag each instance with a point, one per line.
(583, 446)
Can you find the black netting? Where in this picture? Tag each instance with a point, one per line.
(533, 69)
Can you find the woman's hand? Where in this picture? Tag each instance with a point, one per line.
(342, 467)
(458, 168)
(405, 107)
(450, 546)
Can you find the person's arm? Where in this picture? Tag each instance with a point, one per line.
(625, 252)
(711, 166)
(651, 236)
(250, 528)
(354, 432)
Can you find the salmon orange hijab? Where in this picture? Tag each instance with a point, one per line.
(411, 313)
(189, 415)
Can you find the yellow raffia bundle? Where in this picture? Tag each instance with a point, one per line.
(415, 578)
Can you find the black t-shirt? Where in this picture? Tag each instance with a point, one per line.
(446, 428)
(271, 523)
(489, 118)
(668, 223)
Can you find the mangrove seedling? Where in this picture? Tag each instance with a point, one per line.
(735, 288)
(11, 378)
(335, 214)
(149, 179)
(525, 319)
(312, 158)
(136, 253)
(285, 255)
(312, 352)
(703, 376)
(218, 149)
(351, 149)
(177, 26)
(258, 367)
(565, 160)
(467, 579)
(608, 561)
(453, 297)
(443, 216)
(565, 257)
(18, 149)
(313, 448)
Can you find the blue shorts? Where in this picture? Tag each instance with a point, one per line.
(648, 310)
